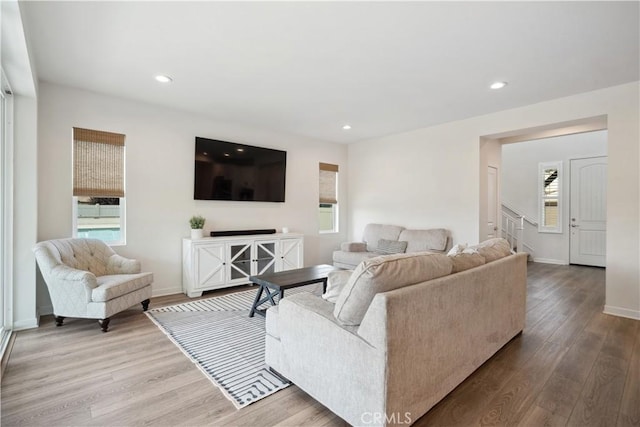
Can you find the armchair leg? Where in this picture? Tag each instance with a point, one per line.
(105, 324)
(145, 304)
(59, 320)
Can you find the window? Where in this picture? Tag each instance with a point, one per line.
(98, 185)
(6, 216)
(328, 212)
(550, 202)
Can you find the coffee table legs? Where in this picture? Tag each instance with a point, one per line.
(258, 301)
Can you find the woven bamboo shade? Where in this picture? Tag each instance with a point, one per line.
(98, 163)
(328, 181)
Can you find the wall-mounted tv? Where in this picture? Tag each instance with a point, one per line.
(230, 171)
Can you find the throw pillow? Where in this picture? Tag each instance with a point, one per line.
(383, 274)
(457, 249)
(335, 283)
(386, 247)
(465, 261)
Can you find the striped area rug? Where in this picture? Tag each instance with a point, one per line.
(227, 345)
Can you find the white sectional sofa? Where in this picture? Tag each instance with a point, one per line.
(404, 332)
(380, 239)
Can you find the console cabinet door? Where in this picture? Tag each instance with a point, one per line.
(290, 254)
(265, 257)
(210, 266)
(239, 261)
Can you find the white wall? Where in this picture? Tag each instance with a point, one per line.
(160, 146)
(429, 177)
(520, 183)
(25, 190)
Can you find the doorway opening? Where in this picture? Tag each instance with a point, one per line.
(558, 219)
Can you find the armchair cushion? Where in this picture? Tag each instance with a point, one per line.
(113, 286)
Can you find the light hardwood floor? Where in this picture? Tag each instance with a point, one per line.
(572, 366)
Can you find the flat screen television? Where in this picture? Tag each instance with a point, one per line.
(230, 171)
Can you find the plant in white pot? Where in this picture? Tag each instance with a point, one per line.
(197, 224)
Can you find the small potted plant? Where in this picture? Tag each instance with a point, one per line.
(197, 223)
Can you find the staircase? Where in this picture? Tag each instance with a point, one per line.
(512, 230)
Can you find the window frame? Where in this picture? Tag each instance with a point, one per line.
(542, 198)
(334, 206)
(123, 228)
(6, 212)
(122, 204)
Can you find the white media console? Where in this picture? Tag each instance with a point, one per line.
(220, 262)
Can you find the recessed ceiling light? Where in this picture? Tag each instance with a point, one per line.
(346, 127)
(498, 85)
(240, 149)
(164, 79)
(205, 153)
(227, 154)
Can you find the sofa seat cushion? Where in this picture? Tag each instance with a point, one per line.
(493, 249)
(116, 285)
(382, 274)
(352, 258)
(425, 240)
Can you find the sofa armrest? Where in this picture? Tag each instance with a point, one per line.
(117, 264)
(353, 247)
(328, 360)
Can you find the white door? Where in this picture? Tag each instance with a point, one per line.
(588, 216)
(492, 202)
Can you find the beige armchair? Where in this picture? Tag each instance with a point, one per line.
(87, 279)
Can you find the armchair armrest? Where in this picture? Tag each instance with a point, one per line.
(353, 247)
(62, 276)
(120, 265)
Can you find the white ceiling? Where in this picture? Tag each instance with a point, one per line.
(307, 68)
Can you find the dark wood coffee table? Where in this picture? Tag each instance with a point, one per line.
(274, 284)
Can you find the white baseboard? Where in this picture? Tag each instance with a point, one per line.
(550, 261)
(44, 310)
(166, 291)
(25, 324)
(622, 312)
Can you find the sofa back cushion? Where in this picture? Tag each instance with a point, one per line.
(374, 232)
(382, 274)
(425, 240)
(493, 249)
(465, 261)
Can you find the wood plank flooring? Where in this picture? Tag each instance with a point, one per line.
(571, 366)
